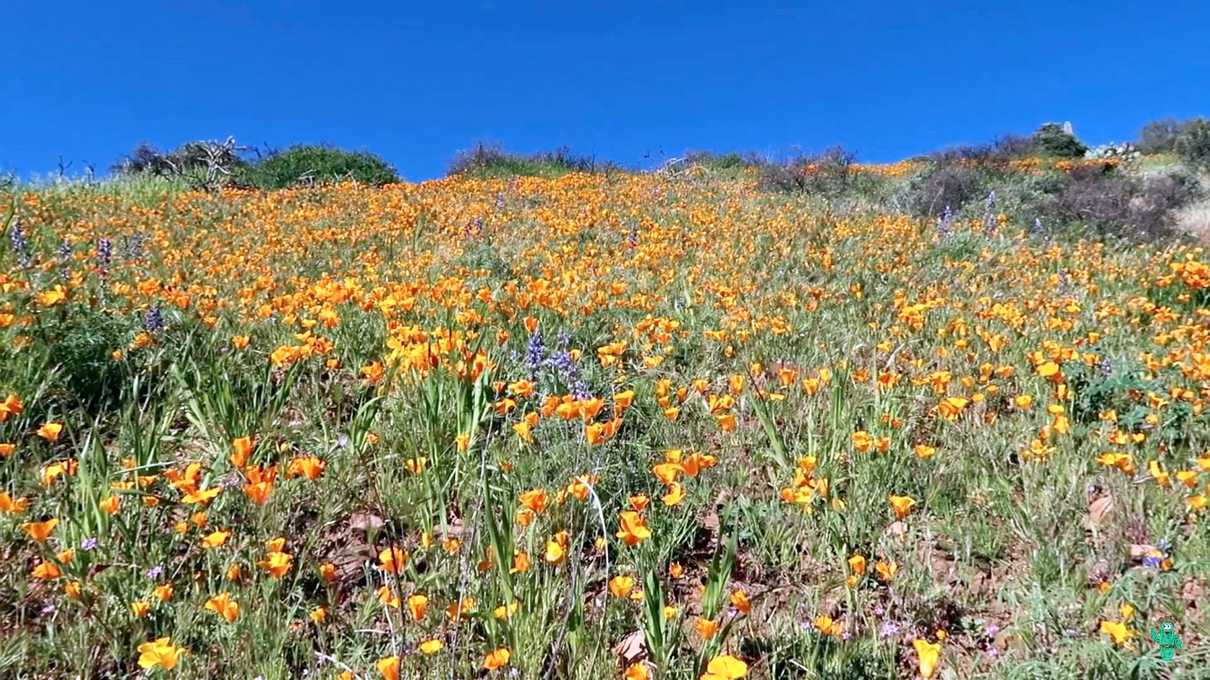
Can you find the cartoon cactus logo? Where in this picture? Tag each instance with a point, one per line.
(1167, 639)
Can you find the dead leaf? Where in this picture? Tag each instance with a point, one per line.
(1098, 509)
(632, 647)
(365, 522)
(897, 529)
(1140, 550)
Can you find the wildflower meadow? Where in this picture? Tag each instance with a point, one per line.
(595, 425)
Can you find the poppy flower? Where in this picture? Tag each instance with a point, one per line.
(311, 467)
(497, 659)
(13, 506)
(388, 667)
(160, 653)
(430, 647)
(215, 539)
(620, 586)
(725, 667)
(739, 600)
(45, 571)
(417, 606)
(40, 531)
(50, 431)
(276, 563)
(633, 528)
(224, 606)
(393, 559)
(902, 505)
(927, 655)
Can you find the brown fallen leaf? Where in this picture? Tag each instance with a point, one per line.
(1098, 509)
(632, 648)
(365, 522)
(1140, 550)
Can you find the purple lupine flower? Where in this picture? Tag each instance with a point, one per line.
(1156, 557)
(944, 221)
(104, 256)
(989, 215)
(134, 246)
(563, 362)
(64, 258)
(153, 320)
(20, 244)
(535, 354)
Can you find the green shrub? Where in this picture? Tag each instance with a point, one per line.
(490, 161)
(1192, 144)
(80, 343)
(309, 164)
(722, 161)
(1159, 136)
(1053, 139)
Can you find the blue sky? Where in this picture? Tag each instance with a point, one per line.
(632, 82)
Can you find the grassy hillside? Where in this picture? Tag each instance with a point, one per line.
(666, 425)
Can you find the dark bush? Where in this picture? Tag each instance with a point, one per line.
(1120, 204)
(1002, 150)
(829, 173)
(144, 159)
(186, 158)
(308, 164)
(1192, 144)
(1159, 136)
(491, 161)
(1053, 139)
(948, 185)
(203, 164)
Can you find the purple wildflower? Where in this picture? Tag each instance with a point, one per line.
(20, 244)
(153, 320)
(989, 216)
(104, 256)
(134, 246)
(944, 221)
(88, 544)
(535, 354)
(563, 362)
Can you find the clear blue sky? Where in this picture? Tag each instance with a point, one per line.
(632, 82)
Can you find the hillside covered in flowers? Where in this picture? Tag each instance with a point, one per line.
(660, 425)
